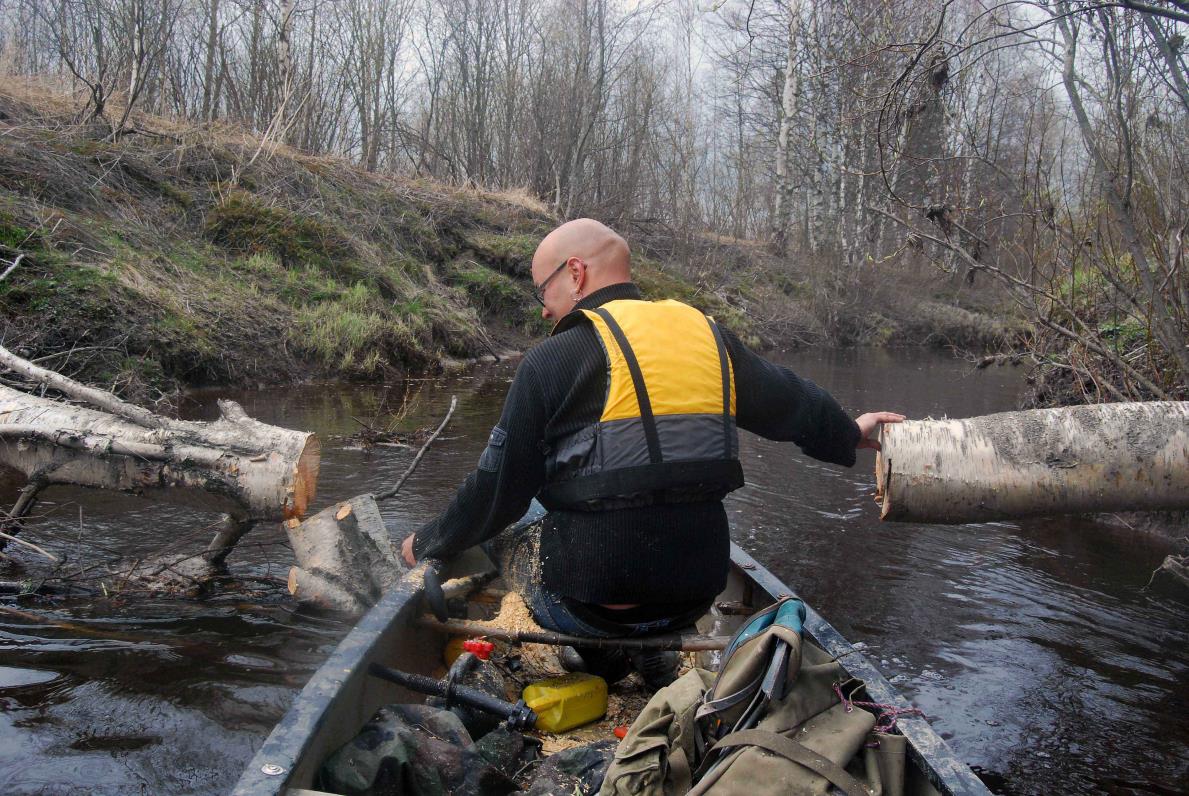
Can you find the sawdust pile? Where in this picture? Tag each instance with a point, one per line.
(514, 615)
(527, 663)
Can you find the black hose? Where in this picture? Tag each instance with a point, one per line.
(519, 715)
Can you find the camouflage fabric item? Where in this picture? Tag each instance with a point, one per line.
(577, 771)
(412, 750)
(506, 750)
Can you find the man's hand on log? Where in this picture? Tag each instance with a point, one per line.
(406, 550)
(869, 424)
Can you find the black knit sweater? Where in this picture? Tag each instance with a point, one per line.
(658, 554)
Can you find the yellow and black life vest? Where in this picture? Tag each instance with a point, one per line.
(667, 432)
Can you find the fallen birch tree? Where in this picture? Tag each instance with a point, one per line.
(1072, 460)
(248, 470)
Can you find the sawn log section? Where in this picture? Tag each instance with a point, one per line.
(1072, 460)
(237, 465)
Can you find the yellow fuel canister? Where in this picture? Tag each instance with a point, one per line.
(562, 703)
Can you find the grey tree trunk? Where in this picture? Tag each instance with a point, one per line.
(1072, 460)
(210, 96)
(782, 215)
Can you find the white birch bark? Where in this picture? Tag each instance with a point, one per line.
(1070, 460)
(345, 557)
(235, 465)
(782, 215)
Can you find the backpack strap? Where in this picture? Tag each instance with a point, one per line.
(680, 772)
(790, 750)
(712, 706)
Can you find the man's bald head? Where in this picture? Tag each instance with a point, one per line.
(594, 256)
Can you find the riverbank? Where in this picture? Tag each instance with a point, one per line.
(185, 255)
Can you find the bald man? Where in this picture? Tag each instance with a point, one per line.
(623, 425)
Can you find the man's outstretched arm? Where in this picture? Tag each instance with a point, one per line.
(776, 403)
(497, 493)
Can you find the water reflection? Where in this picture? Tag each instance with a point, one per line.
(1033, 648)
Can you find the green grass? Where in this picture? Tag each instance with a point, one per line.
(56, 282)
(511, 253)
(789, 285)
(261, 264)
(1124, 334)
(15, 236)
(245, 225)
(347, 333)
(490, 291)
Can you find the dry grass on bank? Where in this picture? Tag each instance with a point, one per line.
(172, 255)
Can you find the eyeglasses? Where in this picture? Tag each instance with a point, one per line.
(539, 290)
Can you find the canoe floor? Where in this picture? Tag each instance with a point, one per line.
(523, 663)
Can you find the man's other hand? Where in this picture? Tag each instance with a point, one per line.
(869, 425)
(406, 550)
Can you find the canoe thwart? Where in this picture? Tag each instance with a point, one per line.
(669, 641)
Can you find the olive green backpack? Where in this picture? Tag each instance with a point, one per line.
(771, 722)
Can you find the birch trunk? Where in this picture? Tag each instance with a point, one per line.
(782, 215)
(1109, 457)
(285, 59)
(236, 465)
(209, 95)
(345, 558)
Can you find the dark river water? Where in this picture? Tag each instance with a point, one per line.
(1033, 648)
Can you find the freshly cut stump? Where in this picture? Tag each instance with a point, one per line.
(345, 558)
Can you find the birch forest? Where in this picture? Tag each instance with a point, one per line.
(1034, 151)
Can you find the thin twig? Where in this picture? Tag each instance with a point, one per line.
(420, 453)
(31, 546)
(12, 266)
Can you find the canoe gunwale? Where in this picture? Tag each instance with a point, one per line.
(295, 735)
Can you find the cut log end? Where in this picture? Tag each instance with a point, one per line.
(1040, 462)
(345, 557)
(883, 493)
(305, 481)
(313, 589)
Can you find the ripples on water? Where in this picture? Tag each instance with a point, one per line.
(1032, 649)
